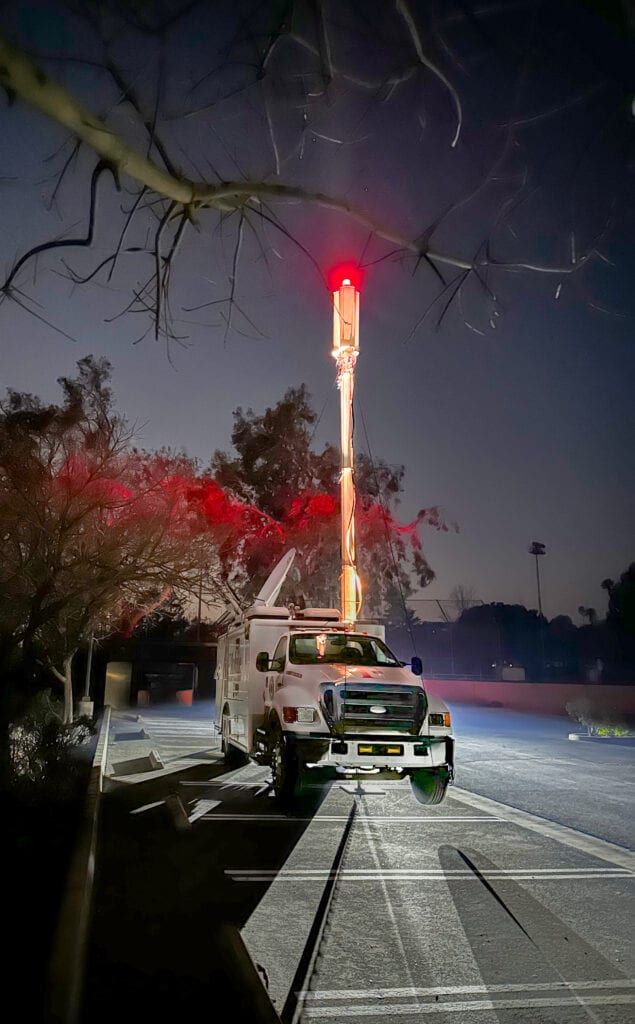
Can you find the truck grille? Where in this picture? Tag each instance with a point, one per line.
(405, 707)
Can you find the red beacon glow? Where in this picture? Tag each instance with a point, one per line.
(344, 273)
(344, 281)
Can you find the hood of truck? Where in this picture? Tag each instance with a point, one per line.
(391, 674)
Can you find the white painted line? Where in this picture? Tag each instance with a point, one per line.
(442, 873)
(202, 808)
(550, 829)
(170, 725)
(223, 782)
(466, 990)
(319, 818)
(350, 875)
(148, 807)
(464, 1007)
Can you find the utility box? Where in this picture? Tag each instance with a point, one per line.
(118, 684)
(513, 674)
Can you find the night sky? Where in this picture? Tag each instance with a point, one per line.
(514, 415)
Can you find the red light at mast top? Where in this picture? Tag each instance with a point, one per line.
(344, 272)
(344, 282)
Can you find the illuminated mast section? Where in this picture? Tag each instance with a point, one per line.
(345, 352)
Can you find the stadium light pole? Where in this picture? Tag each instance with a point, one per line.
(344, 285)
(537, 549)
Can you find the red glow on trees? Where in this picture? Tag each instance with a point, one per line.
(141, 613)
(307, 509)
(247, 540)
(350, 272)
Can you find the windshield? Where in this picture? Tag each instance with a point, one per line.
(336, 648)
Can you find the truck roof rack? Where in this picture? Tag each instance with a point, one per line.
(261, 611)
(316, 613)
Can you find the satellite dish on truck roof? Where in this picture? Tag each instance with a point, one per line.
(268, 593)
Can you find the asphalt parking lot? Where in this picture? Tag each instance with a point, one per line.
(510, 902)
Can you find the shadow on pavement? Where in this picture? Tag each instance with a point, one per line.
(516, 940)
(159, 943)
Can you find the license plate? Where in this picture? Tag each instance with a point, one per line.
(384, 749)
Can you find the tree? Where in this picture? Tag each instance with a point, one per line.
(620, 620)
(162, 167)
(276, 470)
(588, 613)
(501, 633)
(463, 597)
(88, 524)
(274, 461)
(168, 621)
(621, 612)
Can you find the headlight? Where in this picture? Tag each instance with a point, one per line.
(304, 716)
(442, 720)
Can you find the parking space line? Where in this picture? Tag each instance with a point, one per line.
(591, 845)
(372, 820)
(404, 875)
(468, 990)
(466, 1006)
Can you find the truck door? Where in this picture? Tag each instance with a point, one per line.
(236, 685)
(274, 677)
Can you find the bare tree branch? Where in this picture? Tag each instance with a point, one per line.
(317, 70)
(404, 10)
(62, 243)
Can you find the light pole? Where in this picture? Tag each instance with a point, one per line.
(200, 604)
(344, 284)
(86, 705)
(537, 549)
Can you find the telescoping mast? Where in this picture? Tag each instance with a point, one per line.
(344, 283)
(315, 688)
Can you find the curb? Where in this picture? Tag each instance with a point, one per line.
(68, 956)
(611, 741)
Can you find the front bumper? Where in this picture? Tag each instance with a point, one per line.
(427, 752)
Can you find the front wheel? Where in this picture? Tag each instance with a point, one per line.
(285, 767)
(233, 757)
(428, 787)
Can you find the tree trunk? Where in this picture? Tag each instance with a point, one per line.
(67, 679)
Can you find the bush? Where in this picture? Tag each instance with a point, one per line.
(613, 730)
(42, 749)
(598, 719)
(42, 796)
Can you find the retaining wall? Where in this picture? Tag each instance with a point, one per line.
(542, 698)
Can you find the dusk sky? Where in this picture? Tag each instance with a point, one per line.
(515, 415)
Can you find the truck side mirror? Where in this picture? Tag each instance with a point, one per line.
(262, 661)
(416, 665)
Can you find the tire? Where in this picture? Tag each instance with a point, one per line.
(427, 787)
(285, 768)
(232, 756)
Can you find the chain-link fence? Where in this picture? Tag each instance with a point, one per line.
(509, 642)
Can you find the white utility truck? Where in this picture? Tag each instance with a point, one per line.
(301, 691)
(319, 689)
